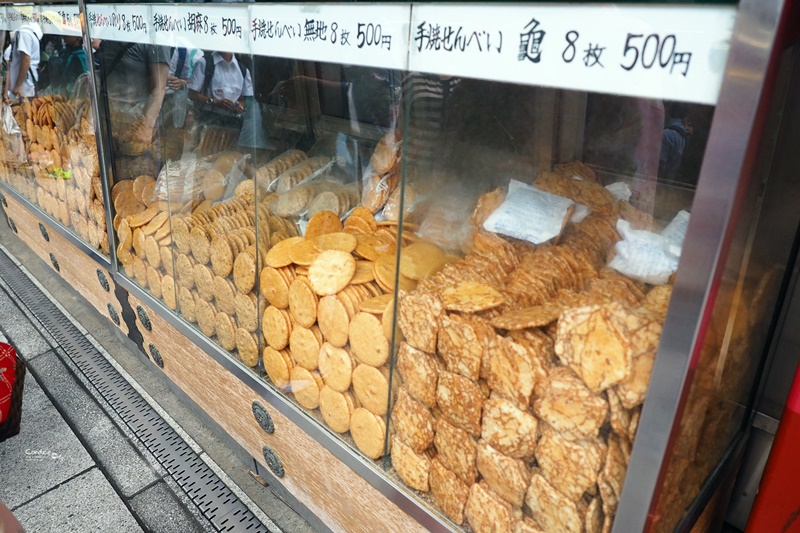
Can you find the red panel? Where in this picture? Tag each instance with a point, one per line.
(777, 507)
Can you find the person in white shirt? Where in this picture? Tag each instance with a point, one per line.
(24, 62)
(226, 89)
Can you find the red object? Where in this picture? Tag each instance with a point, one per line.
(777, 506)
(8, 371)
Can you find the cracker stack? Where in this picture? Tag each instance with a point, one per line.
(523, 371)
(201, 260)
(328, 324)
(58, 137)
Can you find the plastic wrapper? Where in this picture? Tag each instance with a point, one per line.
(182, 181)
(377, 188)
(13, 145)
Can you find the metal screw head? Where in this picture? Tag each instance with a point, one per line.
(3, 200)
(156, 355)
(43, 231)
(263, 417)
(143, 318)
(54, 262)
(273, 461)
(113, 314)
(12, 224)
(101, 277)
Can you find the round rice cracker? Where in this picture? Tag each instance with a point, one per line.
(278, 255)
(278, 364)
(365, 272)
(168, 292)
(204, 282)
(335, 367)
(226, 331)
(306, 386)
(336, 408)
(371, 386)
(186, 305)
(331, 272)
(369, 432)
(275, 327)
(376, 305)
(303, 302)
(364, 214)
(367, 340)
(304, 252)
(274, 287)
(421, 260)
(247, 347)
(323, 222)
(244, 272)
(304, 346)
(333, 320)
(206, 317)
(336, 241)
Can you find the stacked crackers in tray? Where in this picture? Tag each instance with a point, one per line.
(523, 369)
(63, 174)
(329, 321)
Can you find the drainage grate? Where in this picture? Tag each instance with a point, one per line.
(215, 500)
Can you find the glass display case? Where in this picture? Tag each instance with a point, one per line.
(447, 236)
(50, 147)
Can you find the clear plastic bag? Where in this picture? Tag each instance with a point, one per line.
(13, 144)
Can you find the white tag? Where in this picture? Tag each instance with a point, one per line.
(644, 255)
(208, 27)
(370, 35)
(129, 23)
(60, 20)
(529, 214)
(620, 190)
(18, 16)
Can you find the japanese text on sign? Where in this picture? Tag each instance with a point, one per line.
(118, 21)
(649, 51)
(196, 23)
(449, 38)
(366, 34)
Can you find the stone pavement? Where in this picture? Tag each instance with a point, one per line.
(76, 466)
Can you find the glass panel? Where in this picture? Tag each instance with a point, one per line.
(541, 234)
(746, 304)
(53, 161)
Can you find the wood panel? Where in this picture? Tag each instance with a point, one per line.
(342, 499)
(75, 267)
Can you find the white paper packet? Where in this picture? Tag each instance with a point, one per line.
(529, 214)
(644, 255)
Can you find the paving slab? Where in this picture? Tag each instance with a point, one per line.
(161, 512)
(44, 454)
(86, 503)
(28, 341)
(115, 454)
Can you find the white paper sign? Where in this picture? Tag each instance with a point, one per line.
(369, 35)
(3, 19)
(221, 28)
(644, 256)
(60, 19)
(18, 16)
(668, 52)
(529, 214)
(129, 23)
